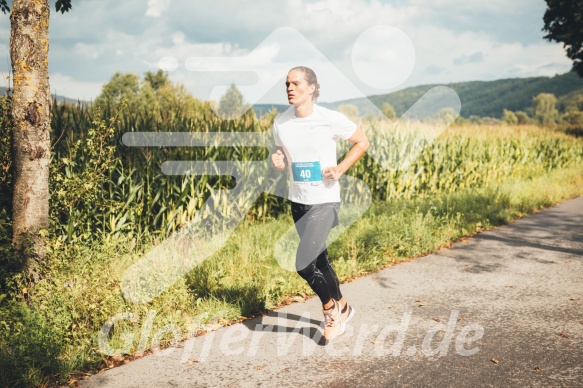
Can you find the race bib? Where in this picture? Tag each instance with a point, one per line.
(307, 171)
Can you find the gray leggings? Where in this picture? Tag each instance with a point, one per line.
(313, 223)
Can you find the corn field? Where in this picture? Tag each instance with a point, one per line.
(102, 188)
(462, 158)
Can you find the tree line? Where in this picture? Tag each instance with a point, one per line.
(544, 111)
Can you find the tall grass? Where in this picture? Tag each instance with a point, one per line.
(121, 190)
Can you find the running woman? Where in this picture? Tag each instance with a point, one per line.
(305, 138)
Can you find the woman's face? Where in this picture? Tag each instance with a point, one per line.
(298, 90)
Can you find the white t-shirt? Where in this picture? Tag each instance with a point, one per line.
(311, 141)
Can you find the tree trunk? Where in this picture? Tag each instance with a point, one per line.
(31, 99)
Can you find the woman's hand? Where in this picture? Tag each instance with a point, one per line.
(332, 174)
(278, 159)
(359, 148)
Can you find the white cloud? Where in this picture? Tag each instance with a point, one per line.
(89, 51)
(383, 57)
(438, 48)
(63, 85)
(156, 7)
(454, 40)
(178, 38)
(168, 64)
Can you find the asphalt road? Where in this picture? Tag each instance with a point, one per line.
(504, 308)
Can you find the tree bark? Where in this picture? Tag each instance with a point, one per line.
(31, 99)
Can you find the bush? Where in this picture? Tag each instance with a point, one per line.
(509, 117)
(350, 111)
(522, 118)
(545, 108)
(389, 111)
(573, 117)
(30, 347)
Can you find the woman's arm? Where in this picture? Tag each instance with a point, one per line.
(359, 148)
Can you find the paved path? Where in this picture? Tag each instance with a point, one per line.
(502, 309)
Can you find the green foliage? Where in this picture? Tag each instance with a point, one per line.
(545, 110)
(119, 88)
(446, 114)
(31, 346)
(155, 98)
(370, 116)
(350, 111)
(9, 262)
(232, 105)
(120, 191)
(509, 117)
(114, 190)
(573, 116)
(522, 118)
(461, 159)
(388, 111)
(563, 20)
(157, 80)
(79, 178)
(60, 5)
(5, 154)
(63, 5)
(570, 101)
(4, 6)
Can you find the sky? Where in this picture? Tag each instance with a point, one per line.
(356, 47)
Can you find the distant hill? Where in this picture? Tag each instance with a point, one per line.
(481, 98)
(261, 109)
